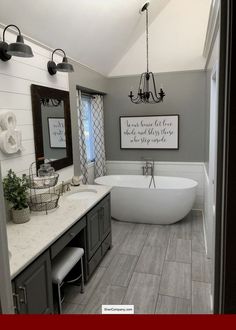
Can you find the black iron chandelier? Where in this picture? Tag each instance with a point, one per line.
(147, 92)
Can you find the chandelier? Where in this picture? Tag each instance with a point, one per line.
(147, 92)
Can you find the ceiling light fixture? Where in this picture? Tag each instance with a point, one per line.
(147, 92)
(64, 66)
(18, 48)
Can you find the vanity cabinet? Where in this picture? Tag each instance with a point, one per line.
(98, 233)
(105, 218)
(32, 289)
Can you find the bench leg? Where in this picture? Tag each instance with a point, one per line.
(59, 298)
(82, 276)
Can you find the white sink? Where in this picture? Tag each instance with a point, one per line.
(82, 194)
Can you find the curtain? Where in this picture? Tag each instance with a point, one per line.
(82, 144)
(98, 135)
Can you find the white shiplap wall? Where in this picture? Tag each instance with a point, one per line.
(16, 77)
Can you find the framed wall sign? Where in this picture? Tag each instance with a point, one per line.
(56, 128)
(149, 132)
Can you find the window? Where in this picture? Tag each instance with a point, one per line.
(88, 130)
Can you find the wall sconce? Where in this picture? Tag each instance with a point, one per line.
(64, 66)
(18, 48)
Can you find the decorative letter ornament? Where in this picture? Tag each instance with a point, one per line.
(10, 137)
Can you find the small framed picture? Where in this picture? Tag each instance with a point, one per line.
(56, 128)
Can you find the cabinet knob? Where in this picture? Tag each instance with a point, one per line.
(72, 234)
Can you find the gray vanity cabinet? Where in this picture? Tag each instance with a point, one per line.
(98, 233)
(33, 288)
(93, 230)
(105, 217)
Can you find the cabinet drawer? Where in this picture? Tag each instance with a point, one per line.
(67, 237)
(94, 261)
(106, 244)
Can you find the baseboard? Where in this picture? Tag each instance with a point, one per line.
(204, 234)
(206, 184)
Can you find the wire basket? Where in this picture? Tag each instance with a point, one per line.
(48, 199)
(44, 182)
(41, 182)
(43, 202)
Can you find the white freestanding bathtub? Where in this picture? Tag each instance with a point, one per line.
(132, 200)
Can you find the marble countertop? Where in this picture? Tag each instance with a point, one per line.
(27, 241)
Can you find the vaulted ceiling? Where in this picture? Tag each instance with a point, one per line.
(101, 33)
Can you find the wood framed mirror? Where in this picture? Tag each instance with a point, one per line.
(52, 126)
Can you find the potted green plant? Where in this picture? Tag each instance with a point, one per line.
(16, 193)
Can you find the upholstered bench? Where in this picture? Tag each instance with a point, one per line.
(62, 265)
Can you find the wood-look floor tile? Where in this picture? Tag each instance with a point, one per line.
(151, 260)
(176, 280)
(120, 270)
(173, 305)
(68, 308)
(133, 244)
(110, 254)
(179, 250)
(73, 295)
(198, 243)
(120, 230)
(201, 298)
(140, 228)
(197, 213)
(197, 221)
(104, 295)
(182, 229)
(201, 268)
(159, 236)
(129, 272)
(142, 293)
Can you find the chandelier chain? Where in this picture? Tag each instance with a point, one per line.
(147, 46)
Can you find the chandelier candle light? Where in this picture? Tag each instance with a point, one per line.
(145, 94)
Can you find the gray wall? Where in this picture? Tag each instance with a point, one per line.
(185, 95)
(85, 77)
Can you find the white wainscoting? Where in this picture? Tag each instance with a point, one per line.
(16, 77)
(207, 214)
(181, 169)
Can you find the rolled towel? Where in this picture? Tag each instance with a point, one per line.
(7, 120)
(10, 141)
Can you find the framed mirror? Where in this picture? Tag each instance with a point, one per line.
(52, 126)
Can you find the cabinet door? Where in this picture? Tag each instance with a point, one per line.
(105, 217)
(34, 287)
(93, 231)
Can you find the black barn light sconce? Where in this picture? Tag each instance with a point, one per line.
(64, 66)
(18, 48)
(147, 92)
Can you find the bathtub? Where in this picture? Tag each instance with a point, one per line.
(132, 200)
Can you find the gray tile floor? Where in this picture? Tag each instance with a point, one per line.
(158, 269)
